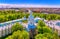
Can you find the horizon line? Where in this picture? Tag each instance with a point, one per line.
(29, 5)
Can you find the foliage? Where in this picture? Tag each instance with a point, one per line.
(16, 27)
(40, 36)
(46, 36)
(41, 23)
(12, 15)
(24, 21)
(44, 32)
(19, 35)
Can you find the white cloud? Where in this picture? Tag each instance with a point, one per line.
(29, 5)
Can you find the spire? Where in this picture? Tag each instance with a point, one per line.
(31, 18)
(30, 12)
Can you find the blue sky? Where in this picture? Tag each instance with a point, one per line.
(40, 2)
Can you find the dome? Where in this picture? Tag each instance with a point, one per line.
(31, 26)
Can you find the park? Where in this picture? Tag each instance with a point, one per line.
(29, 25)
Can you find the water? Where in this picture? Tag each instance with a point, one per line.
(58, 23)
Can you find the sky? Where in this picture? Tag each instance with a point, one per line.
(40, 2)
(32, 2)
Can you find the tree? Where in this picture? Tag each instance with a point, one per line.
(44, 32)
(40, 26)
(19, 35)
(47, 30)
(16, 27)
(46, 36)
(9, 37)
(41, 23)
(40, 36)
(58, 17)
